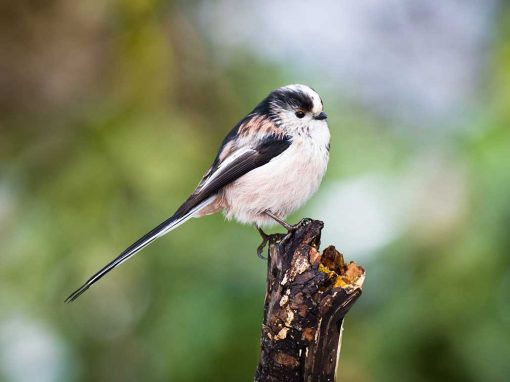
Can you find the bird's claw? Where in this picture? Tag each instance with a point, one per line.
(265, 239)
(291, 228)
(261, 247)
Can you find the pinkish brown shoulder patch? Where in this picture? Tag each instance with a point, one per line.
(258, 125)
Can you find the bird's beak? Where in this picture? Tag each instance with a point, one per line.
(321, 116)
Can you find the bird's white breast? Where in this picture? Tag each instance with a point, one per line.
(282, 185)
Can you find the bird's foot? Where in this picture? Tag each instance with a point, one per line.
(267, 239)
(291, 228)
(294, 227)
(260, 249)
(271, 239)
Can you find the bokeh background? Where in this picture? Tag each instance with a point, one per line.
(112, 110)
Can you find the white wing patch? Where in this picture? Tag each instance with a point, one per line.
(228, 160)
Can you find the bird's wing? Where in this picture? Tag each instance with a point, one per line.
(237, 163)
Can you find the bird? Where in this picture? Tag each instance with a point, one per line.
(268, 166)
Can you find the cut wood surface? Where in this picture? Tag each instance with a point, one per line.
(308, 295)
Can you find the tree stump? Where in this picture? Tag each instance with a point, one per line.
(307, 297)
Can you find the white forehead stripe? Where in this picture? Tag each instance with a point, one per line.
(317, 103)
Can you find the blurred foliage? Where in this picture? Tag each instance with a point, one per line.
(111, 111)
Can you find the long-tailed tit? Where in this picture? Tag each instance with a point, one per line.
(269, 165)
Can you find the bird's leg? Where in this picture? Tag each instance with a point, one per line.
(287, 226)
(265, 240)
(284, 224)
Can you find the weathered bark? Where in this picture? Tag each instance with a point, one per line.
(307, 297)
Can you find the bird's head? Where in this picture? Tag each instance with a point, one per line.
(294, 108)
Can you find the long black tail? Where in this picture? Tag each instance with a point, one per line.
(162, 229)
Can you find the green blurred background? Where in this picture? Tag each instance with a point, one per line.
(112, 110)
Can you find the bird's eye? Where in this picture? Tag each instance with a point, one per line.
(300, 114)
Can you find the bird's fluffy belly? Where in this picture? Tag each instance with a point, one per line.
(281, 186)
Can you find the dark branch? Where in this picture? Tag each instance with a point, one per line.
(307, 298)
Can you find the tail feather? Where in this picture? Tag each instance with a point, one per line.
(168, 225)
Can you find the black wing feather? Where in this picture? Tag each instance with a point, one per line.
(268, 148)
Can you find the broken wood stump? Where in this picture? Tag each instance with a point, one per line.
(308, 295)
